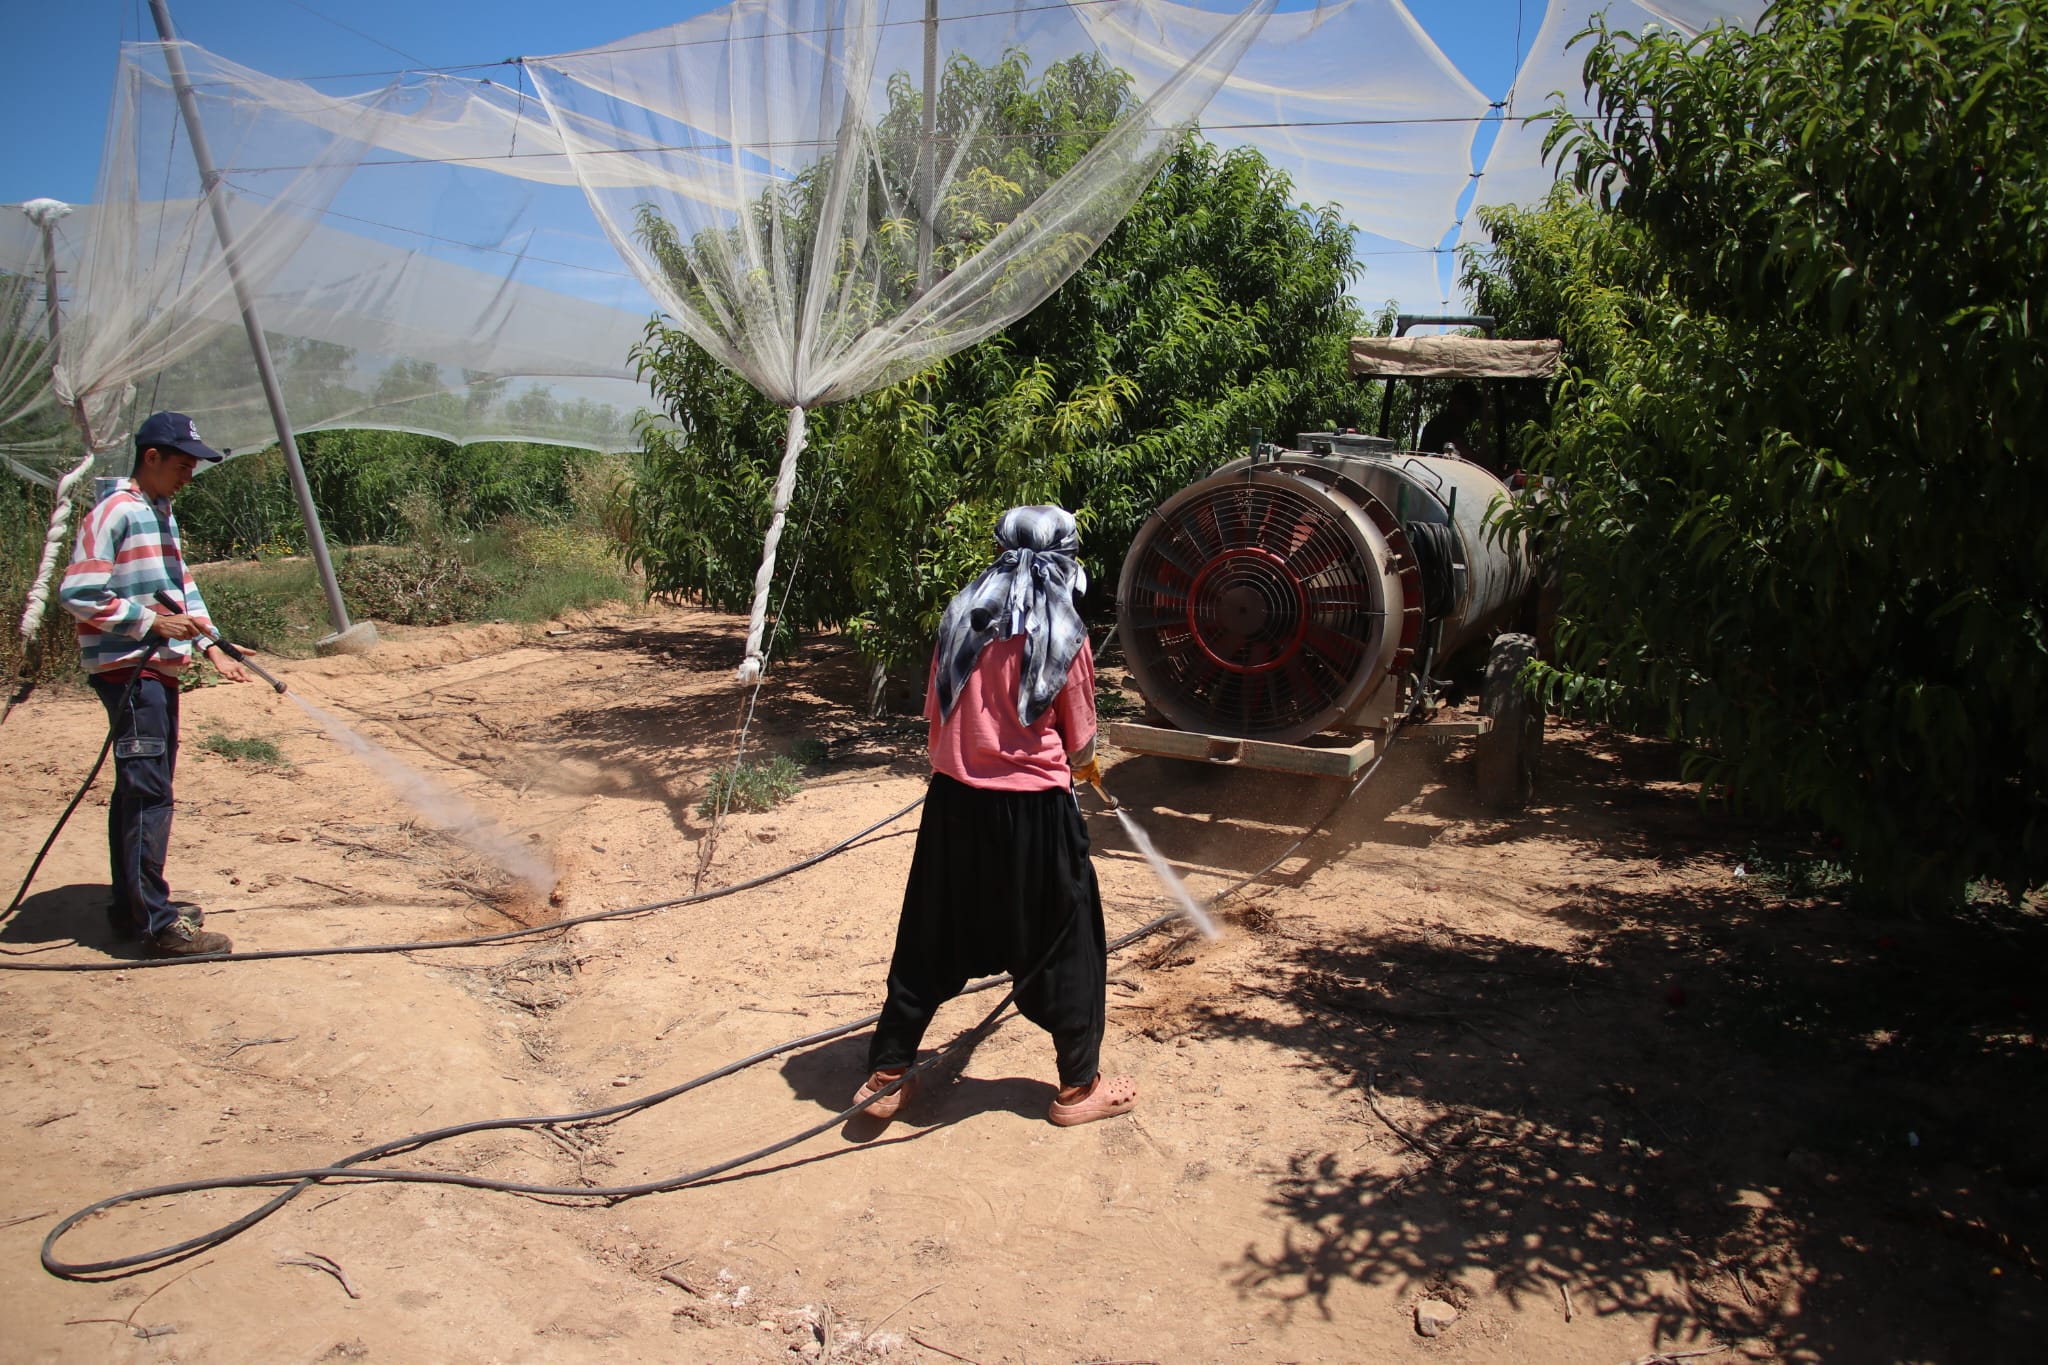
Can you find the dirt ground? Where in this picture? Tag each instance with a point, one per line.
(1568, 1073)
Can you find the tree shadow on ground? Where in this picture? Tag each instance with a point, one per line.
(1745, 1119)
(678, 717)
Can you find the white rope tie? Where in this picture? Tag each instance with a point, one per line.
(53, 547)
(785, 485)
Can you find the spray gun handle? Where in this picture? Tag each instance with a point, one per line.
(237, 655)
(1091, 773)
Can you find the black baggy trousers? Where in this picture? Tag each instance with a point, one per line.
(1000, 882)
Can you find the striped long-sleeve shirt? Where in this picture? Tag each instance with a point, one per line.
(126, 552)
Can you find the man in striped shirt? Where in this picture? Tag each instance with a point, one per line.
(139, 614)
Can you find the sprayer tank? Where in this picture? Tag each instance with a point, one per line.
(1287, 594)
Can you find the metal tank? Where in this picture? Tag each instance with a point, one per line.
(1292, 592)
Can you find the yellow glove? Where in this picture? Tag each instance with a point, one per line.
(1089, 772)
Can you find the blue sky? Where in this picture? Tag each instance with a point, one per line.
(56, 97)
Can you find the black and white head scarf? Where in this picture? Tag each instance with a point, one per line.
(1030, 590)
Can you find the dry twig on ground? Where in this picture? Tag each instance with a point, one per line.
(314, 1260)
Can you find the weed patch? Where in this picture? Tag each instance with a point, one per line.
(24, 514)
(246, 749)
(424, 586)
(248, 616)
(1793, 875)
(753, 786)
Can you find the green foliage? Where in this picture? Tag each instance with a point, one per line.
(361, 480)
(247, 615)
(414, 586)
(1216, 307)
(1802, 424)
(247, 749)
(24, 517)
(754, 785)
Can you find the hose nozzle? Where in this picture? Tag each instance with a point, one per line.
(1091, 773)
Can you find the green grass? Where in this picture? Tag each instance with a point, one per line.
(543, 571)
(754, 786)
(1795, 875)
(248, 749)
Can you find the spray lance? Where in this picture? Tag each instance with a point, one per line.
(170, 604)
(1191, 910)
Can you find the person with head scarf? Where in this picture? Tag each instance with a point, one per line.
(1001, 881)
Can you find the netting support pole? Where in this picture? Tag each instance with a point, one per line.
(44, 213)
(259, 348)
(928, 212)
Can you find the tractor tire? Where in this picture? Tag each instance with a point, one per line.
(1507, 753)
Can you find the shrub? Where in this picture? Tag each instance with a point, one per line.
(413, 587)
(1801, 420)
(753, 785)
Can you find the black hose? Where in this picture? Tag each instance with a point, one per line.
(128, 696)
(361, 949)
(350, 1169)
(1436, 556)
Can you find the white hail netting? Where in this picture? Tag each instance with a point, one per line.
(421, 258)
(1362, 109)
(477, 259)
(32, 428)
(847, 233)
(1515, 172)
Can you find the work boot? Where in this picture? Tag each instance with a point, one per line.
(127, 928)
(182, 940)
(124, 925)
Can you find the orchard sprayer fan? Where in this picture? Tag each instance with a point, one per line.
(1294, 607)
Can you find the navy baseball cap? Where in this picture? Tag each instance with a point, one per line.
(173, 431)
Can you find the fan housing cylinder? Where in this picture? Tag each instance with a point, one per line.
(1276, 597)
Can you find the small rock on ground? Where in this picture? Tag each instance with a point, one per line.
(1432, 1316)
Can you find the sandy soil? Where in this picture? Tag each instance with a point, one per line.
(1565, 1072)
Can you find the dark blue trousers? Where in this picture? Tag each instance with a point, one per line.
(145, 729)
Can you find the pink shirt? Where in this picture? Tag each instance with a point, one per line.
(985, 745)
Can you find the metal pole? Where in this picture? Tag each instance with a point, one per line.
(927, 210)
(209, 181)
(44, 213)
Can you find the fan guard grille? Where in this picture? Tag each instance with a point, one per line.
(1249, 606)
